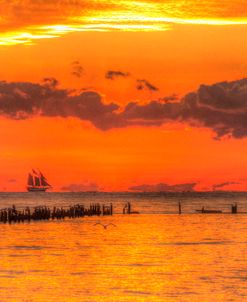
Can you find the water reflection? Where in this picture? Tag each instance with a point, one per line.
(143, 258)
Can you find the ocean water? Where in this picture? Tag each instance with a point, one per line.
(157, 255)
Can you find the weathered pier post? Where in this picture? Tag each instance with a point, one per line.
(129, 207)
(124, 208)
(179, 208)
(234, 208)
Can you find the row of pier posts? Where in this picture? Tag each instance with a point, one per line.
(10, 215)
(179, 208)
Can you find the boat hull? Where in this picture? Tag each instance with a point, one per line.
(36, 189)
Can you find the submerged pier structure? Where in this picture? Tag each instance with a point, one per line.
(13, 215)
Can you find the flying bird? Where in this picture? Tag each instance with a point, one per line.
(104, 225)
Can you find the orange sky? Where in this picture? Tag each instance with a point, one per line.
(173, 46)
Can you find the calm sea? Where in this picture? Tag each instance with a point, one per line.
(155, 256)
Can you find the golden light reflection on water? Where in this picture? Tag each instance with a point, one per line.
(25, 22)
(144, 258)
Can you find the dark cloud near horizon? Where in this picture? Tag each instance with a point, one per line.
(113, 74)
(224, 184)
(163, 187)
(144, 84)
(221, 107)
(81, 187)
(12, 180)
(77, 69)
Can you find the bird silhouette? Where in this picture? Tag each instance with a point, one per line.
(105, 226)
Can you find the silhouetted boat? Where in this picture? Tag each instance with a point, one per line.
(37, 182)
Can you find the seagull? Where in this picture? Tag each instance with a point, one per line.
(104, 225)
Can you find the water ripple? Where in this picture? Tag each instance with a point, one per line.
(195, 243)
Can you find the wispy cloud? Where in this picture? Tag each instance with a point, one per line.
(163, 187)
(169, 98)
(224, 184)
(84, 187)
(23, 22)
(144, 84)
(77, 69)
(50, 82)
(12, 180)
(113, 74)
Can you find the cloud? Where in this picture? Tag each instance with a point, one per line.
(81, 187)
(153, 113)
(21, 100)
(12, 180)
(50, 82)
(77, 69)
(169, 98)
(224, 184)
(163, 187)
(221, 107)
(24, 21)
(113, 74)
(144, 84)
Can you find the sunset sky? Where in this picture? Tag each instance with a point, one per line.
(124, 95)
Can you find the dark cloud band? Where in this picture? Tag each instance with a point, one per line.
(221, 107)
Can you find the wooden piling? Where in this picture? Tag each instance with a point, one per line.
(128, 208)
(234, 208)
(12, 215)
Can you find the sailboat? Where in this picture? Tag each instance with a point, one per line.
(36, 182)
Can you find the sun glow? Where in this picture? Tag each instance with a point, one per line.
(117, 16)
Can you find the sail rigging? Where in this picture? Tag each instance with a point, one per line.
(37, 182)
(44, 183)
(30, 180)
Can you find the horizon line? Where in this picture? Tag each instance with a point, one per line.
(135, 192)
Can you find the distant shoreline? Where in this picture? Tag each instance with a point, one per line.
(126, 192)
